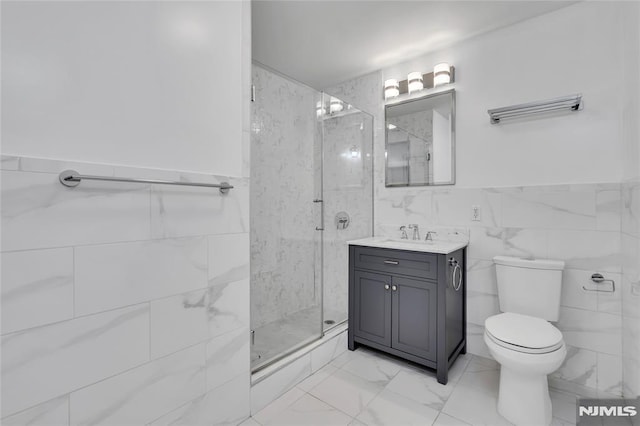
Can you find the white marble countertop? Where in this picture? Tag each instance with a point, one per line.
(438, 247)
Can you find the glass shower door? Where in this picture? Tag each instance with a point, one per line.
(348, 199)
(286, 247)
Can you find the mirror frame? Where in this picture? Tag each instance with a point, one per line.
(451, 92)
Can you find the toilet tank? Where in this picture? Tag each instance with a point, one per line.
(529, 286)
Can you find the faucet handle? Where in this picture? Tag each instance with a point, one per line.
(413, 225)
(404, 232)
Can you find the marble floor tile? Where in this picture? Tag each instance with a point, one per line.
(375, 369)
(316, 378)
(347, 392)
(308, 410)
(563, 406)
(421, 387)
(389, 408)
(249, 422)
(446, 420)
(280, 404)
(412, 397)
(474, 406)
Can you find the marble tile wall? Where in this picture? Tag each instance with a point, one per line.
(285, 247)
(283, 186)
(579, 224)
(123, 303)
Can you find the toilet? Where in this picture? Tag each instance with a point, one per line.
(522, 340)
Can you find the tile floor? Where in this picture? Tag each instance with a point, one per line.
(365, 387)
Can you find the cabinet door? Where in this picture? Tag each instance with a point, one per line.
(372, 317)
(414, 316)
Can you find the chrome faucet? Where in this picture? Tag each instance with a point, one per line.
(430, 235)
(416, 232)
(404, 232)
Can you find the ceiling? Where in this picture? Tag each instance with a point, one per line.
(322, 43)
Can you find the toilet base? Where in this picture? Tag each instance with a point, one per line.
(523, 399)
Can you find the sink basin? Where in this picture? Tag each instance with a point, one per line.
(437, 246)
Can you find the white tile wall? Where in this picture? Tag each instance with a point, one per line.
(39, 212)
(226, 405)
(54, 412)
(44, 362)
(105, 322)
(143, 394)
(33, 296)
(177, 322)
(111, 275)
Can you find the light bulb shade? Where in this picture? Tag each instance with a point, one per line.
(335, 105)
(391, 88)
(441, 74)
(354, 152)
(414, 81)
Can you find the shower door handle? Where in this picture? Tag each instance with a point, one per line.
(321, 227)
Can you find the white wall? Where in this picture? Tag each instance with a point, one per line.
(561, 53)
(125, 303)
(135, 83)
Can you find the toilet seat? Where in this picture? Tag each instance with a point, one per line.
(523, 333)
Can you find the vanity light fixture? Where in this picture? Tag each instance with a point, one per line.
(391, 88)
(320, 111)
(414, 81)
(335, 105)
(441, 74)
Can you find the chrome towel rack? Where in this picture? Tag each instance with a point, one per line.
(565, 103)
(72, 178)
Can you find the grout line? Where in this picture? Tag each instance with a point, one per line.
(105, 243)
(73, 263)
(110, 310)
(149, 331)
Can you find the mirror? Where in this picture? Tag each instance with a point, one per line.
(420, 141)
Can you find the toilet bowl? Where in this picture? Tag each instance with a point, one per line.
(528, 349)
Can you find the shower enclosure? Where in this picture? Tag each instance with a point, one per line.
(311, 191)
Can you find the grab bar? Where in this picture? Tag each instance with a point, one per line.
(72, 178)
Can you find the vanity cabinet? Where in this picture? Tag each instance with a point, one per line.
(406, 303)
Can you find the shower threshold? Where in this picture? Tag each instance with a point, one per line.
(276, 340)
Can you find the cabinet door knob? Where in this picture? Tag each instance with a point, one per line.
(386, 286)
(394, 288)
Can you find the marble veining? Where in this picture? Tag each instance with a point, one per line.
(117, 293)
(36, 362)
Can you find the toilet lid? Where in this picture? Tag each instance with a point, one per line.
(523, 331)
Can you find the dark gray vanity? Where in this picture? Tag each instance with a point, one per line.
(409, 302)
